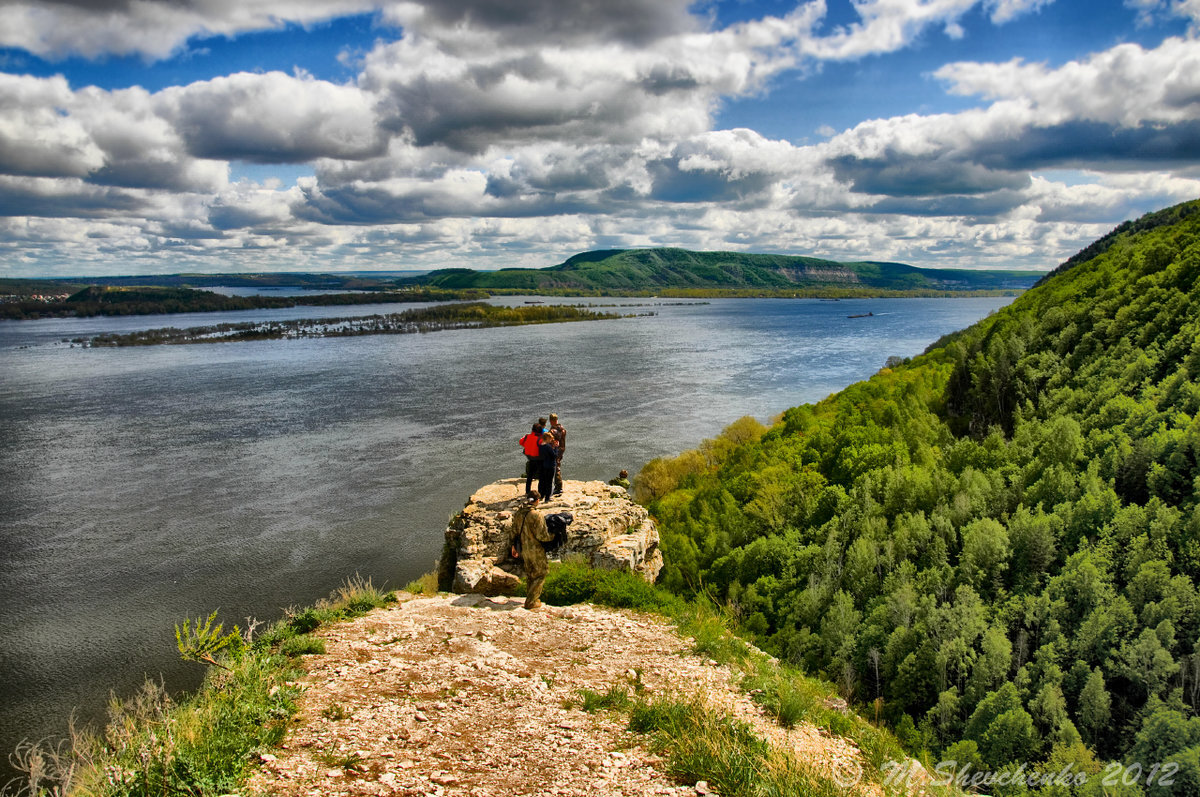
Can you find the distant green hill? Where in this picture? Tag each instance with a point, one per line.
(650, 270)
(995, 545)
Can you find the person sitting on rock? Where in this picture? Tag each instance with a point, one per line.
(529, 526)
(622, 480)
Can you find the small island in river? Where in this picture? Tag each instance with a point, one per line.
(470, 315)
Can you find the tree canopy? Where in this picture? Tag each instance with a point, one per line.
(1000, 539)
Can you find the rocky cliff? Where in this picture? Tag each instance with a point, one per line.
(609, 531)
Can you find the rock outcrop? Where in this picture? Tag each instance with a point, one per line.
(609, 532)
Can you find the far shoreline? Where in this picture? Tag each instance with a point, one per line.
(97, 300)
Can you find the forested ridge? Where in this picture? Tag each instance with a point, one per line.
(615, 271)
(995, 546)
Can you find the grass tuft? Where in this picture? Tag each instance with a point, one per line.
(425, 585)
(704, 623)
(700, 743)
(616, 698)
(302, 645)
(358, 596)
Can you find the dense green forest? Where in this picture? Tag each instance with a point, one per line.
(996, 545)
(661, 270)
(156, 300)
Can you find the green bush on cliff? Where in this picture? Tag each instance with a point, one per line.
(574, 582)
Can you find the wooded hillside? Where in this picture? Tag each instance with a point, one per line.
(998, 541)
(636, 270)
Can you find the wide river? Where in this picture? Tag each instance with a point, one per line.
(140, 486)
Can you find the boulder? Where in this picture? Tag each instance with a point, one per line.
(609, 531)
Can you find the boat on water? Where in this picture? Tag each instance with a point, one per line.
(861, 315)
(535, 302)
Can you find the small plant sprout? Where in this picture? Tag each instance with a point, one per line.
(203, 641)
(252, 625)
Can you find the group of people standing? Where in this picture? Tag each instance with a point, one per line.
(544, 447)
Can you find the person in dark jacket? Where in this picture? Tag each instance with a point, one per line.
(548, 455)
(560, 439)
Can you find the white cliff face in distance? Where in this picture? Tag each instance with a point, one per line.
(609, 532)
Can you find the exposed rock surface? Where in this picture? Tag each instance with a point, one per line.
(609, 531)
(468, 696)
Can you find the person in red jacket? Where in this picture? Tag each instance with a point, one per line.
(529, 443)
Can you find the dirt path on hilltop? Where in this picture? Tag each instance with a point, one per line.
(465, 695)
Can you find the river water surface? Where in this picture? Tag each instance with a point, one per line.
(140, 486)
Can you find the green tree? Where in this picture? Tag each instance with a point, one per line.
(1010, 738)
(1095, 707)
(1146, 663)
(985, 555)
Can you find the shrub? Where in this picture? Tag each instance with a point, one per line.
(301, 645)
(204, 641)
(569, 583)
(425, 585)
(303, 622)
(631, 591)
(575, 582)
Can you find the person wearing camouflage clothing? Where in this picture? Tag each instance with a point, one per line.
(529, 526)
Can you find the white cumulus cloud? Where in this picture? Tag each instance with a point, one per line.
(153, 29)
(272, 118)
(1126, 85)
(1002, 11)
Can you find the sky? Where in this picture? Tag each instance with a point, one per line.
(144, 137)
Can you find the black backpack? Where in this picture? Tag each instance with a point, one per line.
(557, 524)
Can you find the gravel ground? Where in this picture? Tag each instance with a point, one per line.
(466, 695)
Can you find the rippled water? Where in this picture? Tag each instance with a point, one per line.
(144, 485)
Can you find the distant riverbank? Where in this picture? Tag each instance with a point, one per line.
(153, 300)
